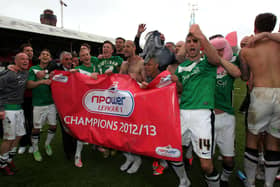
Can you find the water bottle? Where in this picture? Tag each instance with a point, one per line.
(241, 176)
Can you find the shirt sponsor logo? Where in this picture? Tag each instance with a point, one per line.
(84, 72)
(187, 68)
(109, 101)
(168, 151)
(60, 78)
(164, 81)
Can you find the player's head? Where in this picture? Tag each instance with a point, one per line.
(152, 67)
(129, 48)
(107, 48)
(223, 47)
(178, 46)
(85, 46)
(85, 56)
(265, 22)
(192, 46)
(119, 43)
(171, 46)
(27, 49)
(216, 36)
(75, 59)
(21, 61)
(244, 41)
(45, 56)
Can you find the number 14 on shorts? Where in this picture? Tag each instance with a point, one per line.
(204, 143)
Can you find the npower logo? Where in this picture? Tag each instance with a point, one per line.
(168, 151)
(109, 101)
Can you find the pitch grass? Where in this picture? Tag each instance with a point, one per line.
(100, 172)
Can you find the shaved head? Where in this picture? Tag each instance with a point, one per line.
(19, 55)
(130, 42)
(179, 45)
(129, 49)
(21, 61)
(244, 41)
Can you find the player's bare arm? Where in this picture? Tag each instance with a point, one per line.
(142, 71)
(244, 68)
(209, 50)
(263, 36)
(231, 68)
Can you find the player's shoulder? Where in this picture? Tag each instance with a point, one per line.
(37, 67)
(94, 59)
(244, 51)
(77, 67)
(7, 74)
(140, 60)
(118, 58)
(125, 62)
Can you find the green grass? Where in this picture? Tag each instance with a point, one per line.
(100, 172)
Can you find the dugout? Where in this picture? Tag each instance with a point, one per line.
(14, 32)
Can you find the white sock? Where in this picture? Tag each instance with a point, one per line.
(181, 173)
(189, 152)
(12, 153)
(272, 163)
(79, 148)
(4, 159)
(270, 174)
(136, 164)
(50, 136)
(128, 161)
(250, 165)
(226, 173)
(213, 180)
(35, 141)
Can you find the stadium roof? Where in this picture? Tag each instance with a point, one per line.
(27, 26)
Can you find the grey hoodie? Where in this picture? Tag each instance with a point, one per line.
(12, 86)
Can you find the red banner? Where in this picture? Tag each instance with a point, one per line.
(113, 111)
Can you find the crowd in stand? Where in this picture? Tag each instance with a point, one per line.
(204, 72)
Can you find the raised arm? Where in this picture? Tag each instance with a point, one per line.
(141, 29)
(208, 49)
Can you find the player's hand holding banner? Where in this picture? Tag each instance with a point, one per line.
(113, 111)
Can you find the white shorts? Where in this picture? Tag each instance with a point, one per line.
(13, 124)
(264, 111)
(197, 127)
(44, 114)
(225, 133)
